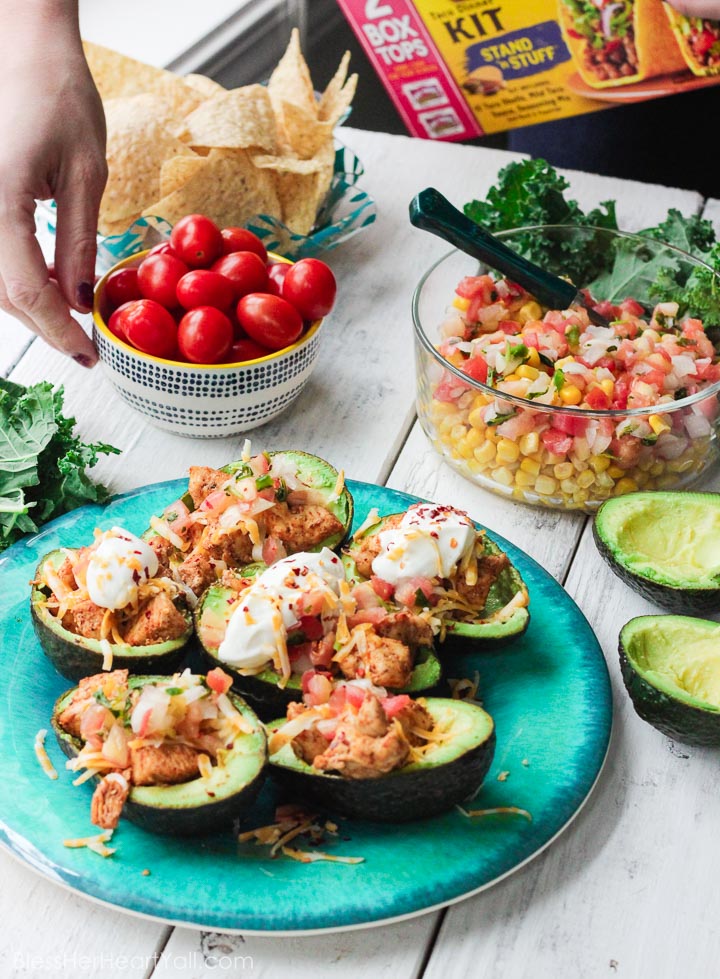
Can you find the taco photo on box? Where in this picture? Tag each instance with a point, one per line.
(699, 41)
(617, 42)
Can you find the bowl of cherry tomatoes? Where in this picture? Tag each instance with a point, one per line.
(207, 334)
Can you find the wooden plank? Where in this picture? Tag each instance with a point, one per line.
(389, 952)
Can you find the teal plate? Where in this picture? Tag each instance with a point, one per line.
(549, 693)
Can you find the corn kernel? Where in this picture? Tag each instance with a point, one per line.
(581, 497)
(680, 465)
(608, 386)
(559, 364)
(530, 311)
(570, 394)
(476, 417)
(512, 377)
(503, 476)
(625, 485)
(641, 479)
(568, 486)
(545, 485)
(524, 478)
(657, 468)
(645, 464)
(464, 450)
(658, 424)
(599, 463)
(616, 472)
(485, 453)
(604, 481)
(457, 432)
(459, 302)
(508, 451)
(564, 470)
(529, 443)
(473, 438)
(551, 458)
(585, 479)
(529, 372)
(533, 357)
(480, 400)
(531, 466)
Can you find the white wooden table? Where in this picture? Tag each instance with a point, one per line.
(629, 889)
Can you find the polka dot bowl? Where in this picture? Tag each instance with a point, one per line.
(199, 400)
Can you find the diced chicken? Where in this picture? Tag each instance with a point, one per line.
(387, 662)
(163, 765)
(301, 528)
(163, 551)
(84, 619)
(367, 548)
(230, 579)
(65, 574)
(489, 567)
(308, 744)
(197, 571)
(371, 719)
(234, 547)
(109, 683)
(203, 480)
(108, 800)
(414, 717)
(158, 620)
(364, 746)
(412, 630)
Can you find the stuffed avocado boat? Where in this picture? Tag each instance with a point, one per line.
(179, 755)
(260, 508)
(361, 753)
(432, 561)
(109, 604)
(272, 628)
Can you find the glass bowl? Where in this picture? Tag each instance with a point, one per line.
(559, 456)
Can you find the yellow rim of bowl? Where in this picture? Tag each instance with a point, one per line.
(103, 328)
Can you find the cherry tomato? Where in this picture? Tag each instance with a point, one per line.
(196, 240)
(245, 270)
(122, 287)
(270, 320)
(205, 335)
(201, 287)
(310, 286)
(276, 275)
(158, 277)
(242, 240)
(115, 323)
(150, 327)
(162, 248)
(245, 349)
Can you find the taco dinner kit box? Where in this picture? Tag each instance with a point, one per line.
(457, 69)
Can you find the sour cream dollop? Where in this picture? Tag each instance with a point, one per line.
(117, 567)
(429, 543)
(276, 601)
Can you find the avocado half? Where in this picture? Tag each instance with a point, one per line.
(202, 805)
(263, 689)
(467, 636)
(671, 668)
(76, 657)
(319, 475)
(665, 545)
(450, 772)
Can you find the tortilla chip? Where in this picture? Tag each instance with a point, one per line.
(117, 76)
(138, 144)
(204, 85)
(176, 172)
(301, 133)
(291, 81)
(286, 164)
(302, 192)
(339, 93)
(239, 119)
(228, 189)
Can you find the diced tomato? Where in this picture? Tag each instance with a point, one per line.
(708, 372)
(93, 720)
(312, 627)
(365, 595)
(393, 705)
(569, 424)
(298, 650)
(606, 309)
(476, 287)
(703, 42)
(511, 327)
(656, 378)
(632, 306)
(477, 368)
(317, 686)
(218, 680)
(556, 441)
(273, 550)
(406, 592)
(215, 500)
(373, 615)
(260, 464)
(354, 695)
(530, 339)
(621, 391)
(597, 399)
(338, 699)
(176, 515)
(144, 723)
(450, 388)
(383, 589)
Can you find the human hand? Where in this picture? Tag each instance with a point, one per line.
(697, 8)
(53, 145)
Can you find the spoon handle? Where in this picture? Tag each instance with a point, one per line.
(432, 212)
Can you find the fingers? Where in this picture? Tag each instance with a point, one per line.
(78, 197)
(27, 291)
(697, 8)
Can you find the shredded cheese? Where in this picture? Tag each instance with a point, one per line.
(205, 766)
(339, 487)
(497, 810)
(163, 529)
(372, 518)
(42, 755)
(305, 856)
(94, 843)
(107, 652)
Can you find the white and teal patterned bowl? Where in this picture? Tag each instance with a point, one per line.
(197, 400)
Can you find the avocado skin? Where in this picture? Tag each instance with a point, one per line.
(187, 821)
(678, 720)
(682, 601)
(73, 659)
(398, 797)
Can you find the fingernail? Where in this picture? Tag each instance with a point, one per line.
(84, 360)
(85, 295)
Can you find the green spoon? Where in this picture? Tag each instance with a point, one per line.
(432, 212)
